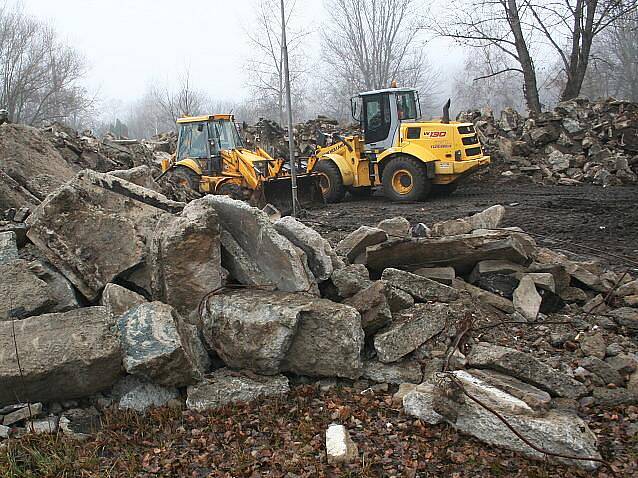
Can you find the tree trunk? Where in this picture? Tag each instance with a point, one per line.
(530, 87)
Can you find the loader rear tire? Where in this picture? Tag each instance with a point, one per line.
(331, 181)
(185, 177)
(405, 180)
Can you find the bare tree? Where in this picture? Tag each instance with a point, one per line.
(265, 66)
(566, 27)
(179, 101)
(613, 69)
(479, 88)
(39, 74)
(369, 43)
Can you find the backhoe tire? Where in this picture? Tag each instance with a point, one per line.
(331, 181)
(405, 180)
(185, 177)
(443, 190)
(361, 192)
(231, 190)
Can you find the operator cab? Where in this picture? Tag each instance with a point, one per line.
(381, 114)
(202, 138)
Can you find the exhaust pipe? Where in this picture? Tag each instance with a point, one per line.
(446, 112)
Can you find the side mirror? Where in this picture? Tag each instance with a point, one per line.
(354, 107)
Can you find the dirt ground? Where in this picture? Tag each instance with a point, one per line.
(597, 217)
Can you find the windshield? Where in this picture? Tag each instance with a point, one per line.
(406, 105)
(225, 134)
(193, 141)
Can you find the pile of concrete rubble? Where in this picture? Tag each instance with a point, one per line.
(273, 138)
(120, 297)
(580, 141)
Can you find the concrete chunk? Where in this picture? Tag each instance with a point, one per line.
(490, 218)
(318, 250)
(63, 356)
(527, 368)
(340, 448)
(357, 241)
(372, 304)
(225, 386)
(185, 258)
(395, 227)
(527, 300)
(95, 227)
(444, 275)
(159, 346)
(461, 252)
(410, 328)
(419, 287)
(22, 293)
(283, 265)
(8, 247)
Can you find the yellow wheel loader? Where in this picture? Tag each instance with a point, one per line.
(411, 159)
(210, 158)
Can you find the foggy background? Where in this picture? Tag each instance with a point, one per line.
(145, 62)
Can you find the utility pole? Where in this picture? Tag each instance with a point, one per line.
(291, 139)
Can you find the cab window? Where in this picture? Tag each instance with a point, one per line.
(376, 111)
(406, 106)
(193, 141)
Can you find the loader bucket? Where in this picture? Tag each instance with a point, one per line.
(278, 192)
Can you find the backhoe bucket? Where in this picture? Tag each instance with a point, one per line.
(278, 192)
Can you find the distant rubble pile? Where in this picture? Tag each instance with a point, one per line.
(135, 301)
(580, 141)
(273, 138)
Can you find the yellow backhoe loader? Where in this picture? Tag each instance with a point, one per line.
(411, 159)
(210, 158)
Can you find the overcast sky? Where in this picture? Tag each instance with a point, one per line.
(131, 43)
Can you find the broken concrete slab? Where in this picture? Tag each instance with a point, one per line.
(484, 296)
(95, 227)
(63, 356)
(140, 175)
(626, 317)
(240, 266)
(561, 277)
(60, 288)
(351, 279)
(340, 449)
(8, 247)
(357, 241)
(185, 258)
(28, 411)
(593, 345)
(444, 275)
(43, 425)
(118, 300)
(80, 423)
(537, 399)
(527, 300)
(527, 368)
(276, 257)
(419, 402)
(254, 329)
(490, 218)
(225, 386)
(398, 299)
(557, 431)
(23, 293)
(395, 227)
(318, 250)
(602, 369)
(328, 342)
(406, 371)
(372, 304)
(409, 329)
(135, 393)
(160, 346)
(494, 266)
(419, 287)
(461, 252)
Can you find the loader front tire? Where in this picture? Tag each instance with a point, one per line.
(331, 181)
(185, 177)
(405, 180)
